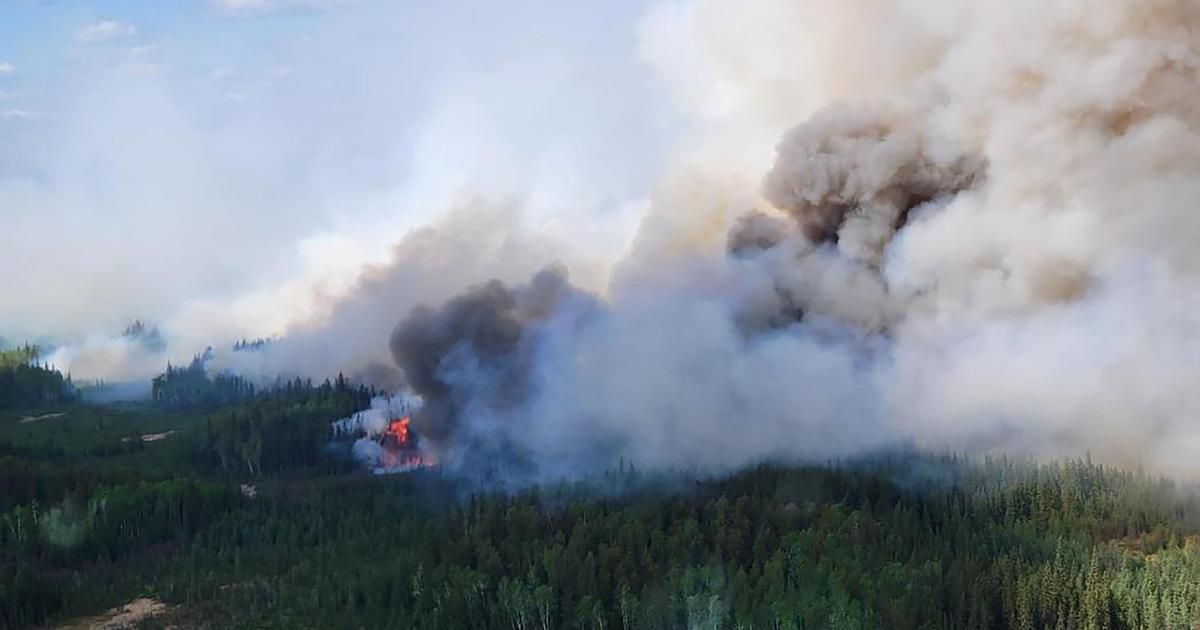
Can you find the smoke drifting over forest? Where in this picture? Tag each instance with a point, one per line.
(954, 224)
(985, 247)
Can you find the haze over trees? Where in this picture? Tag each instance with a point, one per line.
(99, 505)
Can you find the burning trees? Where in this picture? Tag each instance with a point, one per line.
(386, 441)
(400, 449)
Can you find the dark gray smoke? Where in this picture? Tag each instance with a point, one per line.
(471, 359)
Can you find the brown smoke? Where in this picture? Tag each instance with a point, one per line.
(851, 175)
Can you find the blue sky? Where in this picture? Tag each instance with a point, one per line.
(37, 35)
(156, 155)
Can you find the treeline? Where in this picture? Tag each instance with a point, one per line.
(286, 429)
(254, 431)
(147, 335)
(22, 355)
(26, 385)
(191, 386)
(283, 429)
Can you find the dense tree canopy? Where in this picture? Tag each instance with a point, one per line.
(192, 386)
(25, 384)
(246, 516)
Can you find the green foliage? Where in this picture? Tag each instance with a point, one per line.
(769, 548)
(89, 519)
(192, 387)
(1008, 545)
(23, 384)
(286, 430)
(23, 355)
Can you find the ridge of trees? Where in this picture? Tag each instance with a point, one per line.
(26, 384)
(191, 386)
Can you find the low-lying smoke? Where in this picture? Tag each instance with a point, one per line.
(134, 356)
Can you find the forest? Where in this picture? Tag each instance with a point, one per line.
(25, 383)
(236, 508)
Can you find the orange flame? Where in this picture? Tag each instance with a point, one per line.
(400, 451)
(398, 430)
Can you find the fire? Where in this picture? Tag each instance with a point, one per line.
(398, 431)
(401, 450)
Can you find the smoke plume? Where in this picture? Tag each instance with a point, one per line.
(472, 359)
(350, 333)
(974, 245)
(954, 224)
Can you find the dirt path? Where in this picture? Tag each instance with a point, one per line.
(155, 437)
(45, 416)
(121, 617)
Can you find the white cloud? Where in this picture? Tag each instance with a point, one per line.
(7, 68)
(103, 31)
(15, 114)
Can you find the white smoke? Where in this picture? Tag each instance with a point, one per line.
(374, 420)
(1043, 303)
(367, 427)
(972, 244)
(349, 333)
(954, 223)
(110, 359)
(240, 201)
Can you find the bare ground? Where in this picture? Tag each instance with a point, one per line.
(45, 416)
(120, 618)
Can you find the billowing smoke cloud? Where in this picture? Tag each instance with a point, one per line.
(852, 176)
(472, 360)
(957, 224)
(350, 333)
(977, 246)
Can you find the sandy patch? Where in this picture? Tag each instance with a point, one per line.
(121, 617)
(152, 437)
(45, 416)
